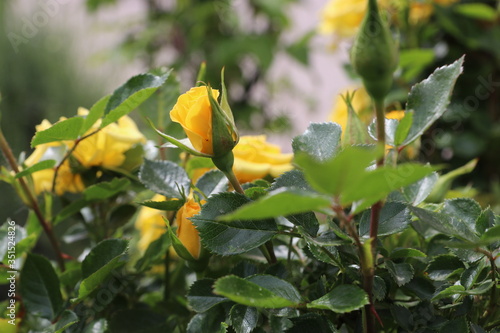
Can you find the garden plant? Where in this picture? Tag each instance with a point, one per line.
(216, 231)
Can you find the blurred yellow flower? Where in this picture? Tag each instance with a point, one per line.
(194, 112)
(43, 179)
(361, 104)
(342, 18)
(107, 147)
(150, 224)
(254, 158)
(186, 231)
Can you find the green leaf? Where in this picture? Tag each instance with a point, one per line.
(106, 190)
(465, 210)
(456, 325)
(478, 11)
(95, 113)
(310, 322)
(47, 164)
(417, 192)
(394, 217)
(71, 209)
(485, 221)
(449, 292)
(154, 253)
(406, 253)
(212, 182)
(445, 223)
(334, 175)
(166, 178)
(67, 319)
(263, 291)
(201, 297)
(130, 95)
(102, 254)
(68, 129)
(471, 274)
(243, 318)
(293, 178)
(375, 185)
(320, 140)
(139, 320)
(281, 202)
(307, 221)
(403, 128)
(444, 182)
(441, 267)
(39, 287)
(491, 235)
(227, 238)
(430, 98)
(167, 205)
(99, 263)
(414, 61)
(482, 288)
(211, 321)
(342, 299)
(402, 273)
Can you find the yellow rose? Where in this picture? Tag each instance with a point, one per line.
(107, 147)
(361, 103)
(150, 224)
(254, 158)
(186, 231)
(194, 112)
(66, 181)
(421, 11)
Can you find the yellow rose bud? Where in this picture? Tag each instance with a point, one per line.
(254, 158)
(194, 112)
(186, 231)
(150, 224)
(374, 54)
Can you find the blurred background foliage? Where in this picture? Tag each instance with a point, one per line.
(39, 82)
(244, 39)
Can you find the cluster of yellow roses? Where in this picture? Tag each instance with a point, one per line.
(343, 18)
(105, 149)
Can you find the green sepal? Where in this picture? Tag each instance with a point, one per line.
(202, 72)
(224, 134)
(184, 144)
(197, 265)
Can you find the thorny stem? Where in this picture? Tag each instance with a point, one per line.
(369, 272)
(47, 228)
(68, 154)
(493, 294)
